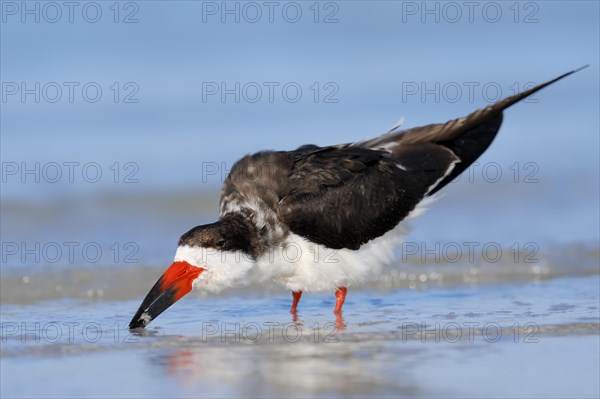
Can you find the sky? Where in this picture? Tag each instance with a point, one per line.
(163, 96)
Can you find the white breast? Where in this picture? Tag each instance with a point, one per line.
(300, 265)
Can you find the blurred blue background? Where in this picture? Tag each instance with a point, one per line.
(147, 108)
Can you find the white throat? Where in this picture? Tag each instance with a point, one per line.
(223, 269)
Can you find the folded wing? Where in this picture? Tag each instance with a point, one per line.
(343, 196)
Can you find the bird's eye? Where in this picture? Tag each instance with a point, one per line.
(220, 244)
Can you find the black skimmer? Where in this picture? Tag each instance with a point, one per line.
(323, 218)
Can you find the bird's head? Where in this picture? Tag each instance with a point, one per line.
(209, 257)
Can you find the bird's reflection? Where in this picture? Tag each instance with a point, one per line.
(283, 368)
(340, 324)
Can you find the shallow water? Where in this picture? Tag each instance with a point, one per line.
(520, 319)
(479, 340)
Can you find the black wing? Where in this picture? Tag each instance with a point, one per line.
(343, 196)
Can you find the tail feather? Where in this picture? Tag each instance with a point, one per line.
(446, 131)
(467, 137)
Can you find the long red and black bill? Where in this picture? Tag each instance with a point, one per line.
(173, 285)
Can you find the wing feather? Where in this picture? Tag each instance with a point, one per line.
(345, 197)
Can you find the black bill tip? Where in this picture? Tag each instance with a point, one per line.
(140, 320)
(156, 302)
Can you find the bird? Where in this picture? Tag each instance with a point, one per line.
(323, 218)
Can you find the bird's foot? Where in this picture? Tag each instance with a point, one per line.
(340, 297)
(296, 298)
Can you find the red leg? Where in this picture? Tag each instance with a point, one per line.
(296, 298)
(340, 297)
